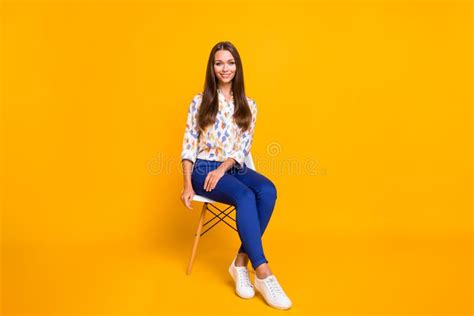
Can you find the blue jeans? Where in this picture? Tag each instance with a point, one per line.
(253, 196)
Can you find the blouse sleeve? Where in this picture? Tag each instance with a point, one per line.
(242, 149)
(191, 132)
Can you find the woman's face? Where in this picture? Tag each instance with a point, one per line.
(224, 66)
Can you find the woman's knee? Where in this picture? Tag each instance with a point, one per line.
(268, 189)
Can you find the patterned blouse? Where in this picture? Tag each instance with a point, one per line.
(221, 140)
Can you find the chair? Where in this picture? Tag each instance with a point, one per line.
(217, 212)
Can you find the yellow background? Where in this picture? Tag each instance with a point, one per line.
(370, 102)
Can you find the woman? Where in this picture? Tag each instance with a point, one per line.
(218, 136)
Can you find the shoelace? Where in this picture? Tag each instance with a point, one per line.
(275, 288)
(244, 278)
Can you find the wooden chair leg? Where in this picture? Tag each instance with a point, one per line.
(197, 236)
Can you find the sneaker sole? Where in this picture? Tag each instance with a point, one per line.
(235, 289)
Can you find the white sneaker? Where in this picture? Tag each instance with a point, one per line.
(272, 292)
(243, 287)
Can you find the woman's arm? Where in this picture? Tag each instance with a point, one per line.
(227, 164)
(188, 192)
(191, 132)
(187, 171)
(189, 151)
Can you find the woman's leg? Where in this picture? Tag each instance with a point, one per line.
(232, 191)
(265, 193)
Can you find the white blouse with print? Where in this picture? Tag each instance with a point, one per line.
(221, 140)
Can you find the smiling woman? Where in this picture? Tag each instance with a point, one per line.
(224, 66)
(217, 139)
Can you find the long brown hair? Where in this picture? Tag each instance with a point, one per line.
(210, 101)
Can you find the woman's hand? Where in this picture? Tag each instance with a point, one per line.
(212, 178)
(187, 196)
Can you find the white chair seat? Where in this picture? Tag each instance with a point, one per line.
(200, 198)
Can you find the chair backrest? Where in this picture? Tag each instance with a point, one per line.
(249, 161)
